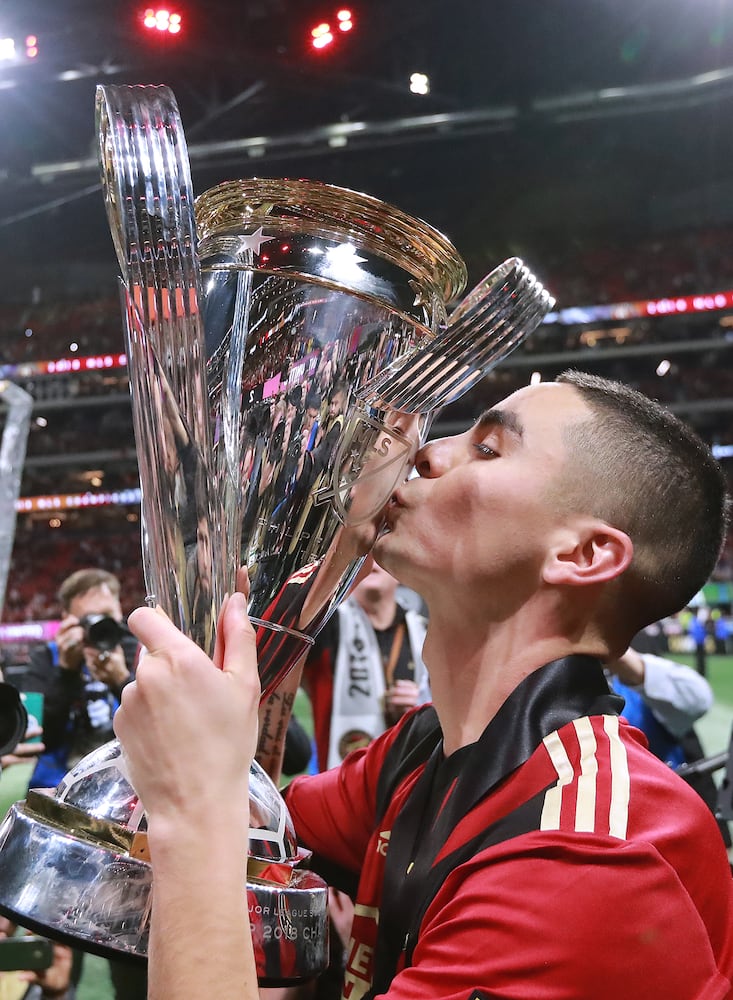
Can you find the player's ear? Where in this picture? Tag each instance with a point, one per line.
(593, 552)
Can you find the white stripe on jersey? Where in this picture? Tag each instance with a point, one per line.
(618, 815)
(585, 805)
(614, 762)
(550, 819)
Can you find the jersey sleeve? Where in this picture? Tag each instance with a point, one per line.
(560, 920)
(334, 812)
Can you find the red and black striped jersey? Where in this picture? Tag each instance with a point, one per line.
(541, 862)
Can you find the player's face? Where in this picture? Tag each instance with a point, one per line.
(481, 512)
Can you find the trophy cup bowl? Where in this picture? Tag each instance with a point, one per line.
(250, 329)
(332, 285)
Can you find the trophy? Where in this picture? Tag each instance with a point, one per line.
(288, 343)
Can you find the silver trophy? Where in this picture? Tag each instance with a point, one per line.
(288, 344)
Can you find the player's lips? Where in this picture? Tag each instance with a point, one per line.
(394, 504)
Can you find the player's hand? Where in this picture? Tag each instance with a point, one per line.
(189, 730)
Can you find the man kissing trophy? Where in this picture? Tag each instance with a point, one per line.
(273, 298)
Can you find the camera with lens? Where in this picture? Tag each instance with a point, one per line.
(13, 718)
(102, 632)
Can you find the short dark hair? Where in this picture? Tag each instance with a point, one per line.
(650, 475)
(295, 396)
(84, 580)
(340, 385)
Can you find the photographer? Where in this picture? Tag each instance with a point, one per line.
(50, 979)
(81, 673)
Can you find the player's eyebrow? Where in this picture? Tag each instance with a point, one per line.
(506, 419)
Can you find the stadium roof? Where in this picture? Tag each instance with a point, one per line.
(546, 124)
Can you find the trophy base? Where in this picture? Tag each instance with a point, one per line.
(96, 896)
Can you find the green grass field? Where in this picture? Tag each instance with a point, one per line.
(714, 732)
(714, 729)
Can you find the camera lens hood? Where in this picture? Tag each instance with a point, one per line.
(13, 718)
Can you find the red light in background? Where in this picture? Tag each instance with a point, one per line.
(162, 19)
(345, 20)
(321, 35)
(31, 46)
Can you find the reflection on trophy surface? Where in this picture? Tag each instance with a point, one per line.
(269, 338)
(332, 286)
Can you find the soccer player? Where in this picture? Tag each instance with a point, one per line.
(517, 839)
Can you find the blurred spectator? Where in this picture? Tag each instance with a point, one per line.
(81, 679)
(365, 669)
(43, 558)
(721, 633)
(664, 699)
(698, 632)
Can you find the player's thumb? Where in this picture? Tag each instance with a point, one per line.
(240, 650)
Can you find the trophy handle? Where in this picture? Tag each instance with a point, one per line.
(150, 205)
(491, 321)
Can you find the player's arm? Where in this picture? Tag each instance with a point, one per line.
(189, 731)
